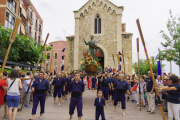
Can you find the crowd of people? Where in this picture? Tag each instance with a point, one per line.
(21, 87)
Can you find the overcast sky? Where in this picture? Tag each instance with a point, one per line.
(58, 15)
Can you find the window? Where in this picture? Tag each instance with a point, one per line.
(10, 21)
(30, 30)
(20, 11)
(36, 24)
(97, 25)
(55, 65)
(55, 56)
(39, 28)
(35, 37)
(12, 5)
(39, 40)
(48, 55)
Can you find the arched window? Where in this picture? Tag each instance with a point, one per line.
(97, 25)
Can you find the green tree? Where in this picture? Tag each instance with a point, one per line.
(23, 49)
(172, 40)
(144, 67)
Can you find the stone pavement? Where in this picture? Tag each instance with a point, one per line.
(55, 112)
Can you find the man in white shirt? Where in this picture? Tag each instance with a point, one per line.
(26, 85)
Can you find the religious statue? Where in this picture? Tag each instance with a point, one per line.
(92, 46)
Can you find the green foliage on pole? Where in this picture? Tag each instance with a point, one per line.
(23, 49)
(144, 67)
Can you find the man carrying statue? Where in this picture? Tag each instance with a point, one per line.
(92, 46)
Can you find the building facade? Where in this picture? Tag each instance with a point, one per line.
(9, 9)
(31, 23)
(56, 55)
(103, 20)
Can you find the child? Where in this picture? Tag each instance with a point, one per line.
(100, 103)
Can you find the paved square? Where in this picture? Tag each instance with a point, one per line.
(55, 112)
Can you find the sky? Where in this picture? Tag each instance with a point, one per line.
(58, 16)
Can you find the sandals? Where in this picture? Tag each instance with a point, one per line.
(148, 111)
(151, 112)
(5, 116)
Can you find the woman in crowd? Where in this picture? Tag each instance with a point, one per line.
(22, 92)
(141, 88)
(173, 96)
(166, 82)
(3, 88)
(13, 94)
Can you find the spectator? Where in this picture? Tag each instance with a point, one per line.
(173, 96)
(3, 88)
(28, 92)
(22, 92)
(13, 95)
(114, 70)
(106, 69)
(159, 82)
(150, 94)
(110, 70)
(164, 93)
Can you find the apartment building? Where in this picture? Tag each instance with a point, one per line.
(9, 9)
(58, 57)
(31, 23)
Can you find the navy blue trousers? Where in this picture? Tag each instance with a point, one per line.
(98, 113)
(36, 99)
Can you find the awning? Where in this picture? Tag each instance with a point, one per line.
(24, 11)
(22, 29)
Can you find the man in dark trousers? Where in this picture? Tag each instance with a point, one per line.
(121, 87)
(106, 85)
(76, 88)
(39, 87)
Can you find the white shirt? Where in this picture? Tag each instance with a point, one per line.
(159, 82)
(26, 83)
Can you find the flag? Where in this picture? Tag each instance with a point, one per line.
(159, 65)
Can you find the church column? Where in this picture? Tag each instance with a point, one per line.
(76, 42)
(119, 33)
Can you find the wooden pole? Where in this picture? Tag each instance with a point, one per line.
(13, 35)
(33, 74)
(51, 62)
(139, 73)
(43, 58)
(118, 62)
(154, 82)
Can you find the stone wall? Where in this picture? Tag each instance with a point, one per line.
(69, 55)
(108, 36)
(127, 50)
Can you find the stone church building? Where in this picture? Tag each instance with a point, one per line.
(103, 20)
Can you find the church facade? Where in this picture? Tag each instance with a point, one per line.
(103, 20)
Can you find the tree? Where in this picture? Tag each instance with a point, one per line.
(168, 55)
(144, 67)
(23, 49)
(172, 40)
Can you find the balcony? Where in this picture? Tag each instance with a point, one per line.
(11, 6)
(29, 2)
(40, 31)
(24, 20)
(36, 27)
(29, 17)
(35, 39)
(27, 31)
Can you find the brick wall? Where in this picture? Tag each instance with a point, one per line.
(3, 2)
(2, 15)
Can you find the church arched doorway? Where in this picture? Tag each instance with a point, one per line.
(100, 56)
